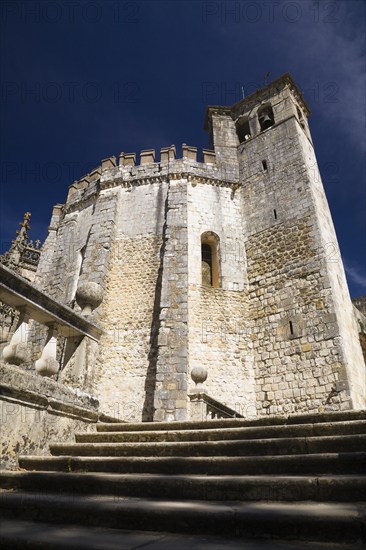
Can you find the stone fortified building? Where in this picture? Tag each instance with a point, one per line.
(227, 267)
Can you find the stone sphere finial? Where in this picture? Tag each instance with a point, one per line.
(199, 376)
(89, 295)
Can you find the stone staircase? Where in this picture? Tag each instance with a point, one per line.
(286, 482)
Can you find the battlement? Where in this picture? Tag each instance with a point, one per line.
(167, 154)
(127, 168)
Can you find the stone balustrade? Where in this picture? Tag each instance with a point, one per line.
(60, 320)
(204, 407)
(50, 339)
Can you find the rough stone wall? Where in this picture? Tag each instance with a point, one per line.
(219, 333)
(98, 235)
(361, 322)
(352, 370)
(298, 365)
(84, 225)
(295, 372)
(28, 273)
(58, 271)
(45, 268)
(172, 360)
(35, 411)
(125, 379)
(28, 430)
(226, 143)
(360, 303)
(77, 249)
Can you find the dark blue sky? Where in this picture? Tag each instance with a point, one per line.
(83, 80)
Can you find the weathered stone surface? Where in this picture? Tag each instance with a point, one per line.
(276, 332)
(204, 477)
(35, 410)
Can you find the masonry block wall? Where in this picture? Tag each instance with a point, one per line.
(303, 352)
(126, 365)
(219, 332)
(274, 328)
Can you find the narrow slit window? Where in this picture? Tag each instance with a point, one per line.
(264, 165)
(210, 260)
(206, 265)
(275, 214)
(291, 328)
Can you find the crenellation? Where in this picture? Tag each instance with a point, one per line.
(168, 154)
(108, 163)
(208, 156)
(147, 156)
(129, 173)
(127, 159)
(189, 153)
(95, 174)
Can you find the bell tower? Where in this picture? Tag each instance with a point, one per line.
(305, 338)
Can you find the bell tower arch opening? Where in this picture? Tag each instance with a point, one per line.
(265, 116)
(243, 129)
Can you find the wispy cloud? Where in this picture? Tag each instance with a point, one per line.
(335, 52)
(355, 273)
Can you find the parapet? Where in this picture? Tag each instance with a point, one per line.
(128, 169)
(167, 154)
(109, 162)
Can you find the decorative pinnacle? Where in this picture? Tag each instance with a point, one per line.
(22, 235)
(22, 249)
(25, 222)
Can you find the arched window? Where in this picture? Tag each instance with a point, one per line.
(210, 259)
(266, 116)
(243, 129)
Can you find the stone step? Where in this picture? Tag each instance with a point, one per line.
(300, 445)
(249, 432)
(331, 522)
(299, 464)
(18, 535)
(193, 487)
(312, 418)
(301, 478)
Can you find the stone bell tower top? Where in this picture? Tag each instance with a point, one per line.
(262, 94)
(270, 105)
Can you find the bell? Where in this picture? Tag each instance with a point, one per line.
(266, 121)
